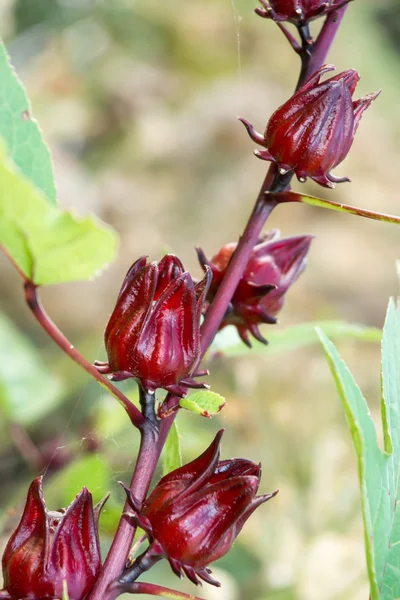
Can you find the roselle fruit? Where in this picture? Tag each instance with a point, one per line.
(50, 547)
(194, 513)
(313, 131)
(153, 335)
(273, 267)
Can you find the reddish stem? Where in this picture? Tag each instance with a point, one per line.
(149, 453)
(59, 338)
(324, 41)
(158, 590)
(237, 265)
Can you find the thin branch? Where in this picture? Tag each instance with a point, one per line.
(32, 299)
(290, 38)
(143, 563)
(157, 590)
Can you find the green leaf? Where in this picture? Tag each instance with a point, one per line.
(204, 403)
(24, 139)
(172, 451)
(27, 390)
(336, 206)
(293, 338)
(48, 245)
(379, 472)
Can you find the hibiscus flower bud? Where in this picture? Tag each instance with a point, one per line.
(273, 267)
(313, 131)
(194, 514)
(153, 335)
(53, 549)
(298, 11)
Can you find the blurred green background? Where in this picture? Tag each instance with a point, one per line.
(138, 101)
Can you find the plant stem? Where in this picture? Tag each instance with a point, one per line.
(142, 563)
(237, 265)
(273, 182)
(149, 453)
(157, 590)
(32, 299)
(307, 43)
(324, 41)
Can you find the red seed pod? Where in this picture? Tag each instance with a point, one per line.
(153, 335)
(195, 513)
(50, 547)
(313, 131)
(298, 11)
(274, 266)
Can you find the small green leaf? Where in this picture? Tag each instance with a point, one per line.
(204, 403)
(21, 132)
(336, 206)
(293, 338)
(48, 245)
(172, 451)
(27, 390)
(379, 472)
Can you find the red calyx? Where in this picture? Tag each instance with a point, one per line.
(153, 335)
(50, 547)
(274, 266)
(313, 131)
(194, 514)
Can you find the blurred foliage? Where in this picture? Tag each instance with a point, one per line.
(138, 103)
(27, 391)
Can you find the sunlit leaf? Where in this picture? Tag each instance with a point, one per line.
(28, 391)
(47, 244)
(204, 403)
(379, 472)
(172, 451)
(23, 137)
